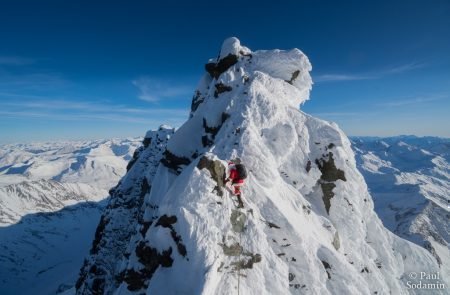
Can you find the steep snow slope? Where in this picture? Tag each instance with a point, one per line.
(409, 179)
(308, 225)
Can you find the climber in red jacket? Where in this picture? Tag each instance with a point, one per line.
(237, 174)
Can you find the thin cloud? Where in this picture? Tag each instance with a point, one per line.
(153, 90)
(16, 61)
(341, 77)
(337, 114)
(65, 110)
(33, 81)
(412, 101)
(405, 68)
(369, 75)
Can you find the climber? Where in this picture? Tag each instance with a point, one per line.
(237, 174)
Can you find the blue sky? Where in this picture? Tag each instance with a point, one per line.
(101, 69)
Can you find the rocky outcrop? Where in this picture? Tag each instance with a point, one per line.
(215, 69)
(329, 175)
(217, 170)
(122, 216)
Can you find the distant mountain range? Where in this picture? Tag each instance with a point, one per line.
(409, 180)
(51, 198)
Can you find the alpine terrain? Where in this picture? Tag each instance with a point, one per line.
(51, 199)
(409, 179)
(308, 225)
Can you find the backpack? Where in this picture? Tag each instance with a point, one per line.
(241, 170)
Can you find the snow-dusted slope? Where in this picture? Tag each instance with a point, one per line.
(18, 200)
(409, 179)
(42, 254)
(50, 204)
(100, 163)
(308, 226)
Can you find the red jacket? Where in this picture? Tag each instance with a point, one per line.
(234, 176)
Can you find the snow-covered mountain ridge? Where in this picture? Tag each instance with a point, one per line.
(51, 199)
(99, 162)
(46, 177)
(308, 226)
(409, 179)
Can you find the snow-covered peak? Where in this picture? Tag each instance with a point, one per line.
(232, 46)
(308, 225)
(239, 65)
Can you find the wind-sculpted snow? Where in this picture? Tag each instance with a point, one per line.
(409, 178)
(308, 225)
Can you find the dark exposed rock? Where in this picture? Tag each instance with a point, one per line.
(293, 77)
(327, 267)
(225, 116)
(308, 166)
(273, 225)
(249, 55)
(151, 260)
(330, 146)
(217, 170)
(145, 188)
(98, 286)
(365, 269)
(135, 280)
(146, 142)
(330, 173)
(98, 235)
(150, 257)
(427, 245)
(216, 69)
(82, 276)
(291, 277)
(307, 209)
(297, 286)
(329, 170)
(206, 141)
(134, 159)
(167, 222)
(378, 263)
(221, 88)
(196, 101)
(219, 269)
(211, 132)
(174, 162)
